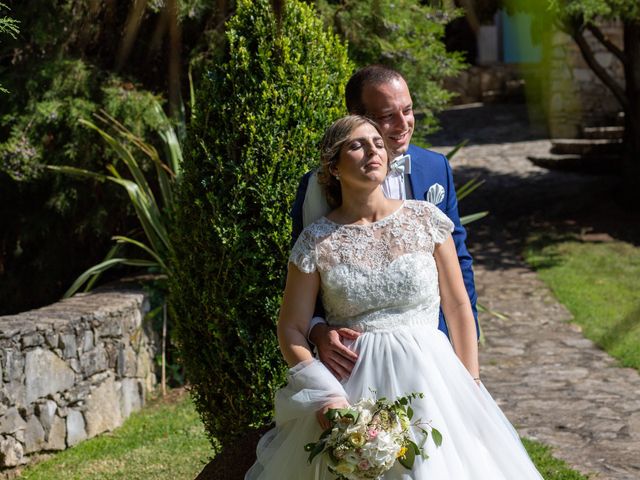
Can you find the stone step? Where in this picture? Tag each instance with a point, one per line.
(585, 146)
(578, 163)
(610, 133)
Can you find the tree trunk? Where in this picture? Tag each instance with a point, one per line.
(632, 113)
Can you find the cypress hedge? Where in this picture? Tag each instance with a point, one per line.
(259, 113)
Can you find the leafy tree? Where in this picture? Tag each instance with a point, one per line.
(260, 111)
(406, 35)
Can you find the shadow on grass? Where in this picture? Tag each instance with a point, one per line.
(619, 332)
(540, 252)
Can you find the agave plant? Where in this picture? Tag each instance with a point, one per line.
(466, 189)
(152, 212)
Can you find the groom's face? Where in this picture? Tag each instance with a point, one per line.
(390, 106)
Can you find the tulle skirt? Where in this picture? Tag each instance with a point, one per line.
(478, 441)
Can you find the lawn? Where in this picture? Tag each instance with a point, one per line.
(598, 282)
(165, 440)
(550, 467)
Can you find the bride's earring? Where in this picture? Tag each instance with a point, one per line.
(337, 175)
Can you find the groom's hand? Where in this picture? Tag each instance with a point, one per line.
(332, 352)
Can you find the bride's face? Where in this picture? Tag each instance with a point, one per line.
(363, 157)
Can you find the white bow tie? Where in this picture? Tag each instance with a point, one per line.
(401, 164)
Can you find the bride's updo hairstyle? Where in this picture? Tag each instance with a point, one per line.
(330, 146)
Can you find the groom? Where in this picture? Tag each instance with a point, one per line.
(382, 94)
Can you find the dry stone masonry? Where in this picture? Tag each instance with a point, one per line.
(72, 370)
(577, 96)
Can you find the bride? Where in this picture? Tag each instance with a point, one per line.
(383, 268)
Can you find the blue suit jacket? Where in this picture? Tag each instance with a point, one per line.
(427, 169)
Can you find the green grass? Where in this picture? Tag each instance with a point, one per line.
(166, 440)
(598, 283)
(550, 467)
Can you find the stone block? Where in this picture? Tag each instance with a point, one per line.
(131, 396)
(12, 422)
(127, 362)
(57, 434)
(52, 339)
(68, 345)
(9, 330)
(16, 393)
(582, 75)
(94, 361)
(32, 340)
(11, 452)
(87, 340)
(76, 431)
(46, 373)
(14, 368)
(47, 413)
(34, 435)
(78, 393)
(103, 408)
(112, 327)
(112, 355)
(74, 363)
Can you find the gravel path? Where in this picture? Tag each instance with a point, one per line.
(553, 384)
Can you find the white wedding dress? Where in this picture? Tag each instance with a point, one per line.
(381, 279)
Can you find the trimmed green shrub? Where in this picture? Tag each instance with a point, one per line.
(259, 113)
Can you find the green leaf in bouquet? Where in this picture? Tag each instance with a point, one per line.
(409, 413)
(409, 457)
(416, 448)
(437, 436)
(314, 449)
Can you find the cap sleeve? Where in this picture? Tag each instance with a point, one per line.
(303, 253)
(440, 226)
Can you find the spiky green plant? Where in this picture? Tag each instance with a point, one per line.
(153, 211)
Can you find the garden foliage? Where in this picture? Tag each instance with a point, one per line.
(403, 34)
(260, 111)
(61, 223)
(8, 26)
(68, 62)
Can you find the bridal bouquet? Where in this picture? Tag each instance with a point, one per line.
(366, 439)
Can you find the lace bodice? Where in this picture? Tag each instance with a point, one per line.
(379, 275)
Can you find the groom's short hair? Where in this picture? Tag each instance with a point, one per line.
(369, 75)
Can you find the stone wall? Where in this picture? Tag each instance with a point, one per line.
(576, 97)
(72, 370)
(493, 83)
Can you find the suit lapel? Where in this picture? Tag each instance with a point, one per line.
(417, 177)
